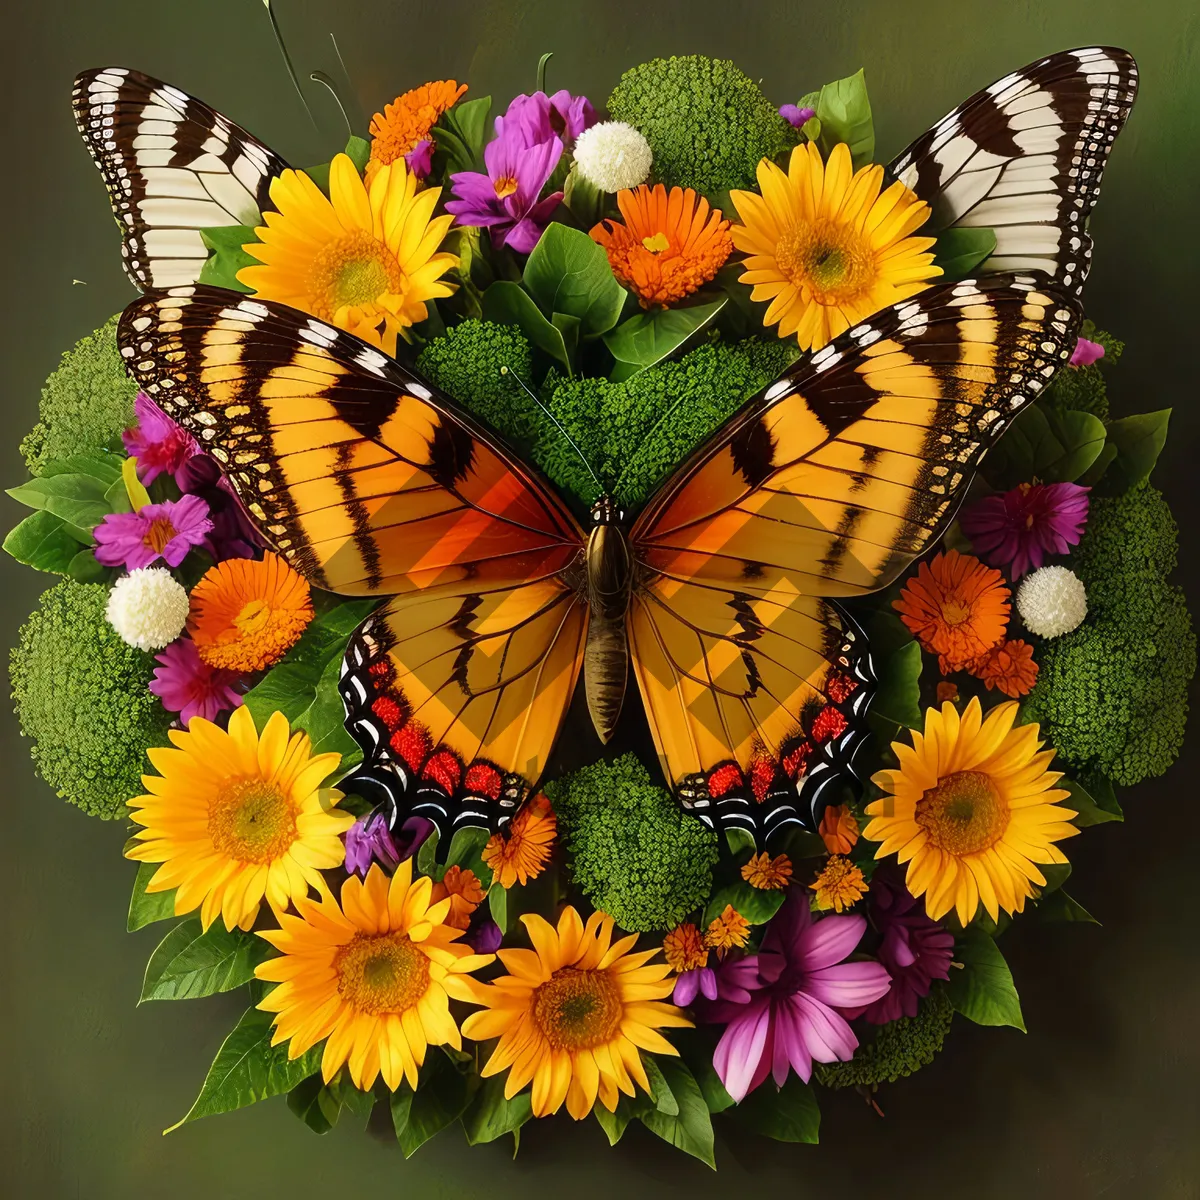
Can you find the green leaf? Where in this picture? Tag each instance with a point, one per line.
(648, 338)
(190, 963)
(628, 1109)
(427, 854)
(44, 542)
(961, 248)
(757, 905)
(690, 1129)
(845, 115)
(740, 841)
(226, 256)
(100, 464)
(248, 1069)
(508, 303)
(569, 273)
(147, 907)
(117, 497)
(490, 1116)
(76, 499)
(660, 1090)
(789, 1114)
(358, 150)
(982, 989)
(1055, 874)
(311, 1102)
(466, 851)
(1081, 436)
(442, 1095)
(459, 136)
(498, 906)
(1087, 810)
(897, 702)
(348, 1098)
(696, 1049)
(84, 568)
(1139, 440)
(1059, 906)
(583, 198)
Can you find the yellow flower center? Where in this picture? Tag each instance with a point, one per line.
(964, 814)
(353, 272)
(251, 820)
(827, 260)
(253, 618)
(954, 611)
(506, 186)
(381, 973)
(576, 1010)
(161, 531)
(657, 243)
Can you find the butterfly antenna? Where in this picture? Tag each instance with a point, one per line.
(557, 424)
(325, 80)
(287, 61)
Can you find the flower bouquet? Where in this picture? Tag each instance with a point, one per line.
(369, 508)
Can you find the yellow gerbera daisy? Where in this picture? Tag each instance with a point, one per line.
(825, 247)
(373, 975)
(971, 809)
(572, 1013)
(364, 261)
(235, 818)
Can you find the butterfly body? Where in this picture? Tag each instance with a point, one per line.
(610, 579)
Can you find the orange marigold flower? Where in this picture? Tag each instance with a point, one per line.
(523, 854)
(956, 608)
(728, 931)
(465, 892)
(839, 829)
(246, 614)
(1009, 667)
(947, 692)
(408, 121)
(684, 949)
(670, 245)
(767, 873)
(840, 885)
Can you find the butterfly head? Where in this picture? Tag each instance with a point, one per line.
(606, 511)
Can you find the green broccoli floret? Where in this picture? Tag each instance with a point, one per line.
(635, 853)
(81, 696)
(85, 404)
(1085, 388)
(1112, 696)
(898, 1049)
(708, 123)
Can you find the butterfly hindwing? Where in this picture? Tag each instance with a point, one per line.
(826, 485)
(1024, 157)
(172, 166)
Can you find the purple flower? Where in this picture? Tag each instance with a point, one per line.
(505, 200)
(796, 116)
(915, 949)
(370, 840)
(1018, 529)
(698, 981)
(419, 160)
(156, 441)
(779, 1007)
(483, 934)
(167, 531)
(1085, 353)
(187, 685)
(233, 534)
(536, 119)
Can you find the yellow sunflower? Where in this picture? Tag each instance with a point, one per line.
(235, 818)
(373, 975)
(573, 1013)
(825, 247)
(971, 809)
(365, 261)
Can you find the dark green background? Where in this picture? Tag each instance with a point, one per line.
(1099, 1099)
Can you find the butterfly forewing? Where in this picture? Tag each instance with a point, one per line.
(172, 166)
(1024, 157)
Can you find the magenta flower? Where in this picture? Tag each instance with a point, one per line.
(156, 441)
(915, 950)
(779, 1007)
(505, 200)
(370, 840)
(1085, 353)
(167, 531)
(796, 116)
(187, 685)
(698, 981)
(536, 119)
(1018, 529)
(419, 160)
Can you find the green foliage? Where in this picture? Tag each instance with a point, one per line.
(442, 1095)
(1055, 445)
(190, 963)
(757, 905)
(897, 1050)
(568, 274)
(983, 989)
(961, 248)
(1112, 696)
(1136, 441)
(649, 337)
(226, 256)
(786, 1114)
(145, 908)
(636, 854)
(320, 1105)
(843, 114)
(490, 1116)
(1084, 388)
(509, 304)
(82, 699)
(85, 404)
(44, 542)
(459, 136)
(707, 122)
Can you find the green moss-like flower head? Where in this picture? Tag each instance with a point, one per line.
(1085, 388)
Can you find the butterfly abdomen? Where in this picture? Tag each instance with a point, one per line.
(606, 657)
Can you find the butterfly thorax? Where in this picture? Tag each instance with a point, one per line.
(609, 584)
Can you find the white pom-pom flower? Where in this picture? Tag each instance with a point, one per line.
(613, 156)
(1052, 601)
(148, 608)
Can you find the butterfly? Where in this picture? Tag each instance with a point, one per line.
(720, 595)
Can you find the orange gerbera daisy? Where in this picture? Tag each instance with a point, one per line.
(465, 892)
(728, 931)
(767, 873)
(839, 829)
(522, 855)
(1008, 666)
(684, 949)
(956, 608)
(670, 245)
(246, 614)
(408, 121)
(840, 885)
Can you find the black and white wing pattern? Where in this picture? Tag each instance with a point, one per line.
(1024, 157)
(172, 166)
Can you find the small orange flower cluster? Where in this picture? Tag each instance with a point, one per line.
(523, 854)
